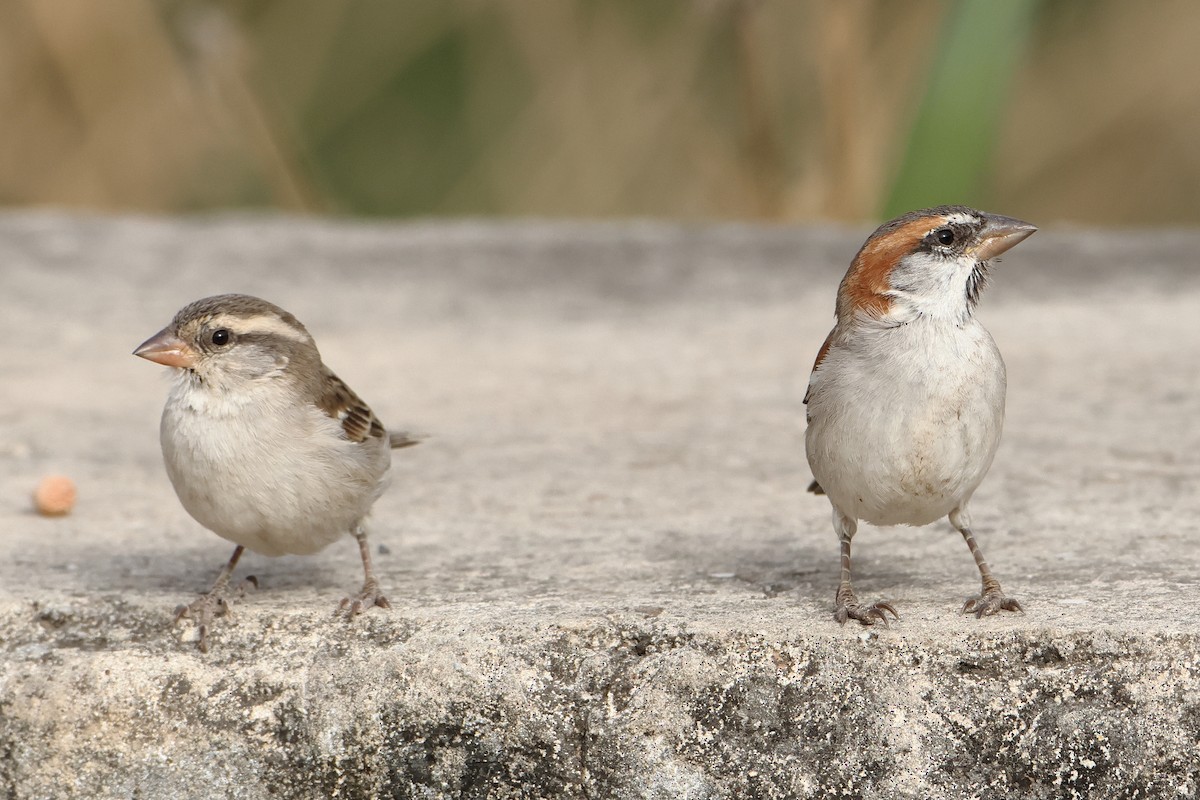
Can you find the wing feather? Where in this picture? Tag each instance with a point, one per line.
(824, 351)
(341, 403)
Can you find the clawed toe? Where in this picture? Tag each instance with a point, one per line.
(203, 610)
(866, 615)
(368, 597)
(988, 603)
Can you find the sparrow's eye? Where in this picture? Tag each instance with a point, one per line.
(944, 236)
(220, 337)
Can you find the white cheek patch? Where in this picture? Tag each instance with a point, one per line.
(259, 324)
(926, 285)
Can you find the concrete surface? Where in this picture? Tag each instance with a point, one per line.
(607, 578)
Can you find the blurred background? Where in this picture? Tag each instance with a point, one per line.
(1054, 110)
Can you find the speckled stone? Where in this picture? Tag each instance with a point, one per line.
(606, 577)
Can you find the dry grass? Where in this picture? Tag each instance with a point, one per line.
(710, 108)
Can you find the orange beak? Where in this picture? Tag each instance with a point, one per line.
(168, 349)
(1000, 234)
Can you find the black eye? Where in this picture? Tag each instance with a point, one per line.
(220, 337)
(944, 236)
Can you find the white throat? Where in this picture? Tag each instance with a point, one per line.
(202, 397)
(926, 285)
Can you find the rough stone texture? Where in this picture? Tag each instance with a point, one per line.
(607, 578)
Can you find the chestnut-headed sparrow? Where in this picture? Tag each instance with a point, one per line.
(906, 398)
(264, 445)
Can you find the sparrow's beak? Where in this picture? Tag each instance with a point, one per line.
(168, 349)
(999, 234)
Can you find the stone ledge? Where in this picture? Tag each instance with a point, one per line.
(607, 579)
(623, 705)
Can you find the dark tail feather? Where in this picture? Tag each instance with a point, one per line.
(400, 439)
(813, 487)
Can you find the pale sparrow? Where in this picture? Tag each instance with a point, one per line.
(264, 445)
(906, 398)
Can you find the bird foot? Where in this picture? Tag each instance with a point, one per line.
(368, 596)
(212, 604)
(989, 602)
(867, 615)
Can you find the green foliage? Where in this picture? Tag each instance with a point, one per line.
(949, 152)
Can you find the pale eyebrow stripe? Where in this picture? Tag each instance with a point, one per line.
(949, 219)
(260, 323)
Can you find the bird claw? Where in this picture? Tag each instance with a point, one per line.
(212, 604)
(369, 596)
(867, 615)
(204, 610)
(988, 603)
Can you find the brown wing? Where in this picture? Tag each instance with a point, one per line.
(824, 351)
(339, 402)
(815, 487)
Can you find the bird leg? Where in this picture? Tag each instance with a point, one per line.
(214, 602)
(846, 605)
(370, 594)
(991, 597)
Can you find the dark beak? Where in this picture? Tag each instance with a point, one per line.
(168, 349)
(1000, 234)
